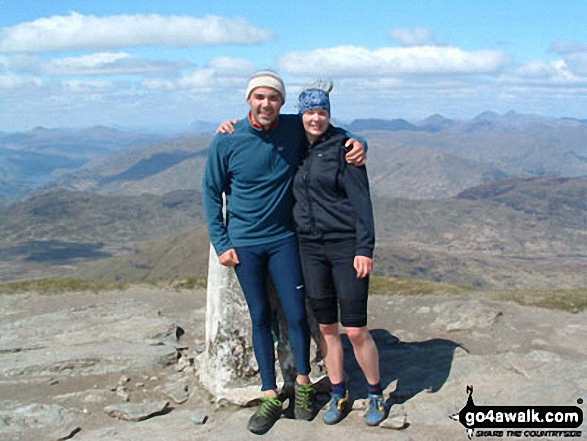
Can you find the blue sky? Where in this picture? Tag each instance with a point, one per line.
(164, 64)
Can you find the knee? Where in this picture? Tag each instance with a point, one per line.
(261, 318)
(330, 330)
(296, 318)
(358, 336)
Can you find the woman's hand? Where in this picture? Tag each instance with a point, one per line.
(227, 126)
(357, 156)
(364, 266)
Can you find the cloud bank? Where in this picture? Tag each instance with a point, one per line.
(348, 61)
(89, 32)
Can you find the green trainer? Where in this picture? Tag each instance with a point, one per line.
(304, 401)
(266, 415)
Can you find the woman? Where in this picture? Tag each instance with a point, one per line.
(334, 222)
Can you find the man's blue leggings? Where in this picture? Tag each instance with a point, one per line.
(281, 260)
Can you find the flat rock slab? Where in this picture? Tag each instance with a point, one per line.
(38, 421)
(97, 339)
(137, 411)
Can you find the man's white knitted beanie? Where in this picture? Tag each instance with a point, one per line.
(266, 78)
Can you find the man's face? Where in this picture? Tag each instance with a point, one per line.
(265, 104)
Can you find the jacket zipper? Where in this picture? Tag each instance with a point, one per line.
(314, 229)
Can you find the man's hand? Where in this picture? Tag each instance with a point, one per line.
(228, 258)
(227, 126)
(363, 265)
(357, 155)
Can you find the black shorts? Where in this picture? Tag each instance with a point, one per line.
(331, 281)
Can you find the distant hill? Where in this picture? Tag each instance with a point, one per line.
(395, 171)
(410, 172)
(158, 168)
(361, 125)
(63, 228)
(176, 255)
(511, 233)
(33, 158)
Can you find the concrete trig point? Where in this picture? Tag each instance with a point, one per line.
(227, 367)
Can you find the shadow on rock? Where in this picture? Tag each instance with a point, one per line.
(416, 366)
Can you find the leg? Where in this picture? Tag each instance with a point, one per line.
(352, 295)
(284, 268)
(331, 347)
(322, 299)
(252, 276)
(365, 352)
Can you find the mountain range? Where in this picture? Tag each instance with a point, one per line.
(496, 201)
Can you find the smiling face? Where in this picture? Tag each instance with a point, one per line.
(265, 105)
(316, 122)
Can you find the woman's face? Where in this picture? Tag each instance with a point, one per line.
(316, 122)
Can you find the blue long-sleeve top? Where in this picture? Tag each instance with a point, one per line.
(255, 169)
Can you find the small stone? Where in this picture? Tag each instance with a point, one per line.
(53, 382)
(123, 380)
(199, 418)
(136, 411)
(140, 385)
(359, 405)
(199, 347)
(396, 420)
(123, 394)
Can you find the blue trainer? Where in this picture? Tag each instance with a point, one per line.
(376, 410)
(336, 409)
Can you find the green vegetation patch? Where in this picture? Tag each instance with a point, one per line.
(196, 282)
(390, 285)
(571, 300)
(56, 286)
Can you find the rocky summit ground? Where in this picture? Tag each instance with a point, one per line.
(119, 366)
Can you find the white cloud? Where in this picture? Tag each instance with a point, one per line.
(577, 63)
(568, 47)
(539, 69)
(88, 86)
(108, 63)
(163, 85)
(346, 61)
(219, 73)
(89, 32)
(11, 81)
(232, 66)
(556, 73)
(416, 37)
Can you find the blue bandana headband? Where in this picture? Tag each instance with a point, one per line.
(314, 99)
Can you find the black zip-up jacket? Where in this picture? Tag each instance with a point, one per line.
(332, 196)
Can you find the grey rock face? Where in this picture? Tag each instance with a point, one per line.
(97, 339)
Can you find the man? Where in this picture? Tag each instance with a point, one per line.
(254, 168)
